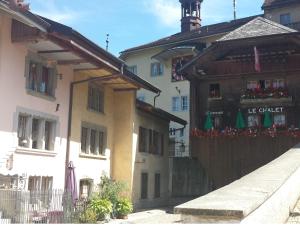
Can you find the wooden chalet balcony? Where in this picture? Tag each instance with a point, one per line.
(271, 100)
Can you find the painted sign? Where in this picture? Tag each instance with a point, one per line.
(262, 110)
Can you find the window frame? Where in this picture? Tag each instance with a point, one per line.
(96, 93)
(185, 107)
(176, 104)
(285, 18)
(40, 136)
(159, 69)
(41, 64)
(98, 129)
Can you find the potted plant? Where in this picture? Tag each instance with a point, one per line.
(123, 208)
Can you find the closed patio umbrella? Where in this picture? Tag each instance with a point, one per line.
(71, 186)
(267, 119)
(208, 122)
(240, 123)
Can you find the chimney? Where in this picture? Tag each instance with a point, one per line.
(190, 15)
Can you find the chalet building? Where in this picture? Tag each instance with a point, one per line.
(245, 99)
(159, 61)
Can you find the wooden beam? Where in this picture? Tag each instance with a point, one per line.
(87, 69)
(124, 89)
(53, 51)
(72, 62)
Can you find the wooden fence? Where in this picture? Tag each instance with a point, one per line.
(226, 159)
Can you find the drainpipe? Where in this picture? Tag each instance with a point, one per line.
(156, 98)
(70, 114)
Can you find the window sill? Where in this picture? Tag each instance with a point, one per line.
(95, 111)
(37, 152)
(40, 95)
(98, 157)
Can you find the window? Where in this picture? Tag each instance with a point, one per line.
(280, 120)
(278, 83)
(93, 140)
(172, 131)
(40, 78)
(157, 69)
(251, 85)
(36, 132)
(214, 91)
(181, 132)
(144, 186)
(175, 104)
(143, 139)
(96, 98)
(85, 186)
(253, 121)
(217, 122)
(285, 19)
(184, 103)
(132, 69)
(151, 141)
(157, 185)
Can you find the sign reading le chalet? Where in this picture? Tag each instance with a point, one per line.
(265, 109)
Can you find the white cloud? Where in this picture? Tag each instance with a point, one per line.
(166, 11)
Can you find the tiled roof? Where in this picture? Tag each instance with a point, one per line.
(255, 28)
(275, 3)
(203, 32)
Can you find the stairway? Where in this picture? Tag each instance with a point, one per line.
(295, 214)
(4, 221)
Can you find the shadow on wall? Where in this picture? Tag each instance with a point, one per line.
(189, 178)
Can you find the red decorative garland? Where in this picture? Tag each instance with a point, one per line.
(250, 132)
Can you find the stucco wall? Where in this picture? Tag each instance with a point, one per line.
(151, 164)
(91, 167)
(274, 14)
(14, 97)
(142, 59)
(124, 106)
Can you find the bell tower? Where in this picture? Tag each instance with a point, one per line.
(190, 15)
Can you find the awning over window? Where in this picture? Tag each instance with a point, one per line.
(175, 52)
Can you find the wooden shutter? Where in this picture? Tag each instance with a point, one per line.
(142, 139)
(101, 100)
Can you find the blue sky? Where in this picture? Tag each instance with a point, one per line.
(134, 22)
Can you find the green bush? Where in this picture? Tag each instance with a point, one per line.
(123, 207)
(88, 216)
(111, 189)
(102, 207)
